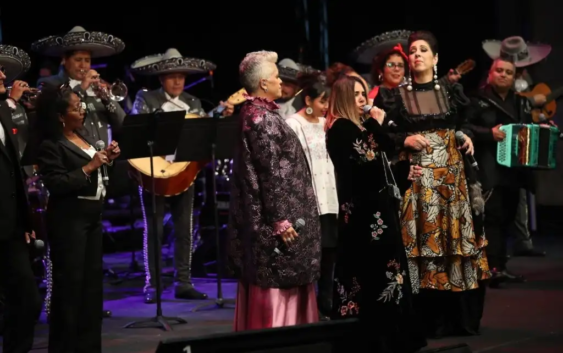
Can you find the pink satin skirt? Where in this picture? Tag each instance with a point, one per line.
(259, 308)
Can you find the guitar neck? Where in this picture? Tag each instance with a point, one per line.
(554, 95)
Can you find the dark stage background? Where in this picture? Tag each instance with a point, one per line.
(224, 31)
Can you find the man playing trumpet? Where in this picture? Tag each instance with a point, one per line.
(77, 48)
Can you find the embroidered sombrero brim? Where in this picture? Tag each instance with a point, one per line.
(288, 74)
(535, 54)
(159, 64)
(14, 60)
(99, 44)
(368, 50)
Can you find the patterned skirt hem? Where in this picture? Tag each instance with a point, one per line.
(448, 273)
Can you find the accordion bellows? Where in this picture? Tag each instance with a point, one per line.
(528, 145)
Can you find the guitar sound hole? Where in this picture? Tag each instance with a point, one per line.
(162, 171)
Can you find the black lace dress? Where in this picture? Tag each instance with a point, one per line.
(371, 275)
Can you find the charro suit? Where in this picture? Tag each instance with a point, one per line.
(181, 205)
(99, 114)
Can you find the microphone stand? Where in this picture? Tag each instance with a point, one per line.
(219, 301)
(160, 320)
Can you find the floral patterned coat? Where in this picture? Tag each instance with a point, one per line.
(371, 275)
(271, 189)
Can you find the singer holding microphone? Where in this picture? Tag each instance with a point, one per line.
(274, 230)
(371, 275)
(74, 170)
(444, 247)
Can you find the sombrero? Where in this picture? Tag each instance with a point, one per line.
(99, 44)
(517, 51)
(171, 62)
(289, 70)
(14, 60)
(368, 50)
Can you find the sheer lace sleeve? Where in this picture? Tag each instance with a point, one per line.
(390, 101)
(462, 104)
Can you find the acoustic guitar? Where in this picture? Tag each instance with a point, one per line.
(546, 111)
(173, 178)
(465, 67)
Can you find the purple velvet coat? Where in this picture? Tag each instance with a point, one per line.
(271, 186)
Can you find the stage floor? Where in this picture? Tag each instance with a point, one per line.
(522, 318)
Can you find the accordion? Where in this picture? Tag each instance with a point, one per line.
(528, 145)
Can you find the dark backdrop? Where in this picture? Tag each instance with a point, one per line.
(223, 31)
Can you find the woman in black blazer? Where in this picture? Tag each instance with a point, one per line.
(70, 168)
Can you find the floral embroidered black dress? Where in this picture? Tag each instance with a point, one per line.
(371, 275)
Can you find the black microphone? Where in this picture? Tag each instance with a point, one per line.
(367, 109)
(100, 146)
(460, 137)
(299, 224)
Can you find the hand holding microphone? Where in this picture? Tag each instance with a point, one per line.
(375, 112)
(36, 243)
(101, 147)
(467, 143)
(290, 234)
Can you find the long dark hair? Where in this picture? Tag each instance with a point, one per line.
(313, 85)
(52, 103)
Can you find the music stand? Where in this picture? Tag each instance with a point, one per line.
(203, 140)
(149, 135)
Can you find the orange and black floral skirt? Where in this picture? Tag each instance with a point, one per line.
(444, 251)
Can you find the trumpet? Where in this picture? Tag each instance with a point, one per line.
(116, 91)
(29, 96)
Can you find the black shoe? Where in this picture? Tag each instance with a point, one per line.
(512, 278)
(497, 278)
(188, 292)
(150, 296)
(106, 313)
(530, 253)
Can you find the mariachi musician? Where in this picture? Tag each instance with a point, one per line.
(22, 300)
(497, 104)
(289, 72)
(523, 245)
(76, 49)
(171, 69)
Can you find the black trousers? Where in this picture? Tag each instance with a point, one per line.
(75, 240)
(500, 213)
(181, 208)
(22, 299)
(329, 235)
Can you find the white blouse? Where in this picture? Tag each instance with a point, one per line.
(313, 140)
(101, 193)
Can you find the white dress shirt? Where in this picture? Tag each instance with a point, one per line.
(2, 134)
(174, 105)
(101, 192)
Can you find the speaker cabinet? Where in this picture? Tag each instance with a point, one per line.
(459, 348)
(323, 337)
